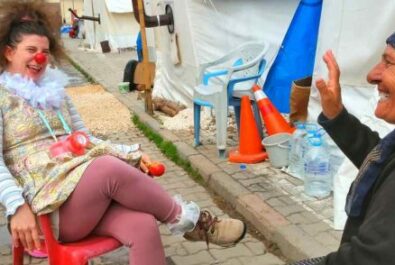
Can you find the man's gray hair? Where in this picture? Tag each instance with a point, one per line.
(391, 40)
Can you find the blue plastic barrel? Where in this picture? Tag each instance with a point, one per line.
(296, 56)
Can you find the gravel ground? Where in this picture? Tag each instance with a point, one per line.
(111, 116)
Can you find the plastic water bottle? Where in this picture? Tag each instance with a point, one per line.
(311, 130)
(296, 152)
(317, 180)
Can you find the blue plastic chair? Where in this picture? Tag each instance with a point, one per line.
(223, 83)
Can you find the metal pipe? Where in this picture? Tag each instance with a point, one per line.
(155, 21)
(85, 17)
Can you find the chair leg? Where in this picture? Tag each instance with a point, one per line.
(237, 118)
(221, 117)
(196, 124)
(258, 119)
(221, 153)
(17, 255)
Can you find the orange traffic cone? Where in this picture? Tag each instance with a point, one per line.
(250, 147)
(274, 121)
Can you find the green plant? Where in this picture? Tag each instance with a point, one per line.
(168, 149)
(82, 71)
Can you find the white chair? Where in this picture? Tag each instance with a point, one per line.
(224, 82)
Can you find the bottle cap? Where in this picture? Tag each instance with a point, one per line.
(315, 140)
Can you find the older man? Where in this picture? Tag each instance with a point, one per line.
(369, 234)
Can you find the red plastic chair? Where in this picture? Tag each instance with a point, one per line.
(77, 253)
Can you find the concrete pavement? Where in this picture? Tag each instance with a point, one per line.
(270, 199)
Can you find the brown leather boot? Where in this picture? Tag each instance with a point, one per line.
(223, 232)
(299, 99)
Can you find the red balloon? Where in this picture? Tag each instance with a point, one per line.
(40, 58)
(156, 169)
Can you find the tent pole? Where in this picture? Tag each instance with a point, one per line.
(64, 13)
(94, 27)
(145, 63)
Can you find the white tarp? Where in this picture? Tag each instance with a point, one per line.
(119, 6)
(356, 31)
(206, 30)
(120, 29)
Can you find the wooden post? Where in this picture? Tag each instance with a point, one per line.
(147, 67)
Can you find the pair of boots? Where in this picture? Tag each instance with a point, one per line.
(197, 225)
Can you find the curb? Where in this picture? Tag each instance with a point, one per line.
(294, 243)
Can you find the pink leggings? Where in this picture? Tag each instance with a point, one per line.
(118, 200)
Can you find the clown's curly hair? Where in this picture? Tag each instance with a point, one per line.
(23, 17)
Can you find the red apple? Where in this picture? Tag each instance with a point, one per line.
(40, 58)
(156, 169)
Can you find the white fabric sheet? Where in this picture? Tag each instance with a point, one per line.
(207, 30)
(120, 29)
(119, 6)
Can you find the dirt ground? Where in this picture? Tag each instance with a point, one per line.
(101, 112)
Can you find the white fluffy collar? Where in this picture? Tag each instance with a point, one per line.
(47, 93)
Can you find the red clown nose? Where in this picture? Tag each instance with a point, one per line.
(40, 58)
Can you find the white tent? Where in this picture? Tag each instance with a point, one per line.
(204, 30)
(118, 25)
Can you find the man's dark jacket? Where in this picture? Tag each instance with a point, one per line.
(370, 238)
